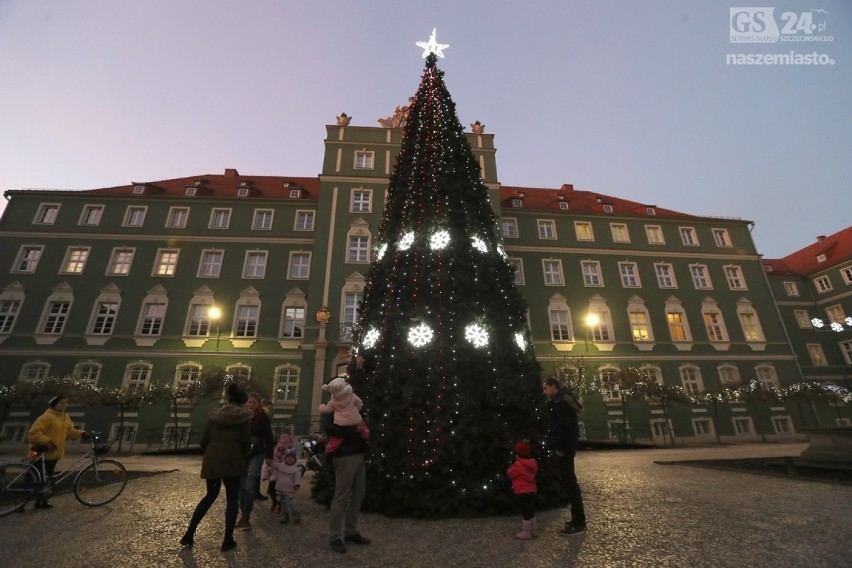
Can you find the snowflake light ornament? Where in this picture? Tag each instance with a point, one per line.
(420, 335)
(836, 326)
(479, 244)
(476, 334)
(816, 322)
(406, 241)
(370, 338)
(502, 252)
(440, 240)
(381, 252)
(519, 339)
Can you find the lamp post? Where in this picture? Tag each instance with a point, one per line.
(214, 313)
(592, 320)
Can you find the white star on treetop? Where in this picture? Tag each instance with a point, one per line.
(432, 46)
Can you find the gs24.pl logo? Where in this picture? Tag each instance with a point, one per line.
(759, 25)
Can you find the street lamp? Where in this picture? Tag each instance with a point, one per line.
(592, 320)
(214, 314)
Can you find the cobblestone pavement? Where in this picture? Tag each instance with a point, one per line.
(641, 514)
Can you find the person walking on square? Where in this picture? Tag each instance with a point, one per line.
(562, 440)
(49, 431)
(262, 446)
(522, 475)
(226, 441)
(288, 478)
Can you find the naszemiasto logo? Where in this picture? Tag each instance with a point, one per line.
(759, 25)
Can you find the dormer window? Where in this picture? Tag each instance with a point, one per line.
(242, 191)
(517, 203)
(138, 189)
(650, 211)
(821, 258)
(563, 205)
(295, 193)
(190, 191)
(607, 208)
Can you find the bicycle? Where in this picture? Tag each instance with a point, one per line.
(98, 481)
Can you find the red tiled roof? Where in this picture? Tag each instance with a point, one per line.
(222, 185)
(580, 201)
(837, 249)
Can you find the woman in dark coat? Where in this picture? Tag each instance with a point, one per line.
(226, 443)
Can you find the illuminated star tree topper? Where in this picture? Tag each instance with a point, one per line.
(432, 46)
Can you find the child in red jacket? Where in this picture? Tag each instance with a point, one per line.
(522, 474)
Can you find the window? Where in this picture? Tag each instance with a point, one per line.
(364, 160)
(651, 374)
(655, 235)
(211, 263)
(88, 372)
(286, 384)
(57, 313)
(136, 376)
(510, 228)
(610, 389)
(729, 375)
(607, 208)
(305, 220)
(564, 205)
(821, 258)
(817, 355)
(358, 249)
(835, 313)
(823, 284)
(134, 216)
(767, 376)
(791, 288)
(714, 325)
(300, 266)
(750, 324)
(690, 376)
(104, 321)
(677, 325)
(177, 217)
(665, 276)
(9, 310)
(782, 425)
(295, 193)
(152, 318)
(700, 276)
(583, 231)
(742, 426)
(186, 374)
(601, 330)
(687, 236)
(629, 274)
(591, 273)
(165, 263)
(255, 265)
(552, 272)
(559, 328)
(262, 220)
(517, 203)
(846, 349)
(721, 238)
(650, 211)
(199, 320)
(619, 233)
(702, 426)
(75, 260)
(294, 321)
(120, 261)
(91, 215)
(28, 258)
(361, 201)
(242, 192)
(846, 272)
(734, 276)
(246, 324)
(350, 307)
(639, 326)
(546, 229)
(518, 267)
(34, 372)
(46, 214)
(220, 219)
(803, 319)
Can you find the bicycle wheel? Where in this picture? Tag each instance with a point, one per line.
(17, 481)
(100, 483)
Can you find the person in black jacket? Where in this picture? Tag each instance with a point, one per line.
(262, 447)
(563, 435)
(349, 479)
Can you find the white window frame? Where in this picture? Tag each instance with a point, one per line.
(11, 302)
(134, 216)
(700, 277)
(691, 379)
(722, 238)
(46, 214)
(246, 319)
(688, 236)
(91, 215)
(767, 376)
(293, 320)
(592, 275)
(255, 270)
(34, 371)
(654, 234)
(104, 315)
(739, 421)
(546, 229)
(559, 319)
(734, 277)
(185, 373)
(846, 274)
(584, 232)
(87, 371)
(361, 200)
(552, 272)
(509, 228)
(364, 160)
(305, 219)
(803, 319)
(259, 220)
(750, 322)
(620, 232)
(714, 323)
(150, 321)
(165, 267)
(665, 280)
(294, 269)
(729, 374)
(358, 249)
(823, 284)
(133, 371)
(75, 260)
(706, 430)
(679, 323)
(791, 288)
(817, 355)
(177, 218)
(285, 387)
(518, 264)
(121, 261)
(210, 263)
(220, 218)
(629, 273)
(24, 258)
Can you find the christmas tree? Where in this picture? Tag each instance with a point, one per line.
(451, 380)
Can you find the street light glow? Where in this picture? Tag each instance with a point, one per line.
(214, 313)
(592, 320)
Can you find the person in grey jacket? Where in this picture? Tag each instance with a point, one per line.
(226, 442)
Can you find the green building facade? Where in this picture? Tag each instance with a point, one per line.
(116, 286)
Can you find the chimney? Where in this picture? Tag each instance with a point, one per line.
(820, 238)
(230, 172)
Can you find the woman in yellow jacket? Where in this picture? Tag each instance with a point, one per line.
(50, 430)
